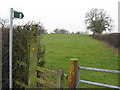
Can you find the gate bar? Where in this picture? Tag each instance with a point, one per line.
(100, 70)
(99, 84)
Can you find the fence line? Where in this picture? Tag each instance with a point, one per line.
(94, 83)
(60, 77)
(60, 74)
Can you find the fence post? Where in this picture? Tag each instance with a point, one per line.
(32, 65)
(59, 79)
(73, 73)
(78, 78)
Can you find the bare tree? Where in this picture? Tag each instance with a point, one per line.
(98, 21)
(3, 23)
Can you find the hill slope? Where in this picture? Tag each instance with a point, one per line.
(89, 52)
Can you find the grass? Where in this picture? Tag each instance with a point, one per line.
(90, 53)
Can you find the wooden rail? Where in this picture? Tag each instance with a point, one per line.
(60, 77)
(46, 83)
(52, 72)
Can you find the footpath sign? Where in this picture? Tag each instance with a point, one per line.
(19, 15)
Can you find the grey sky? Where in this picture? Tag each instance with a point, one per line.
(67, 14)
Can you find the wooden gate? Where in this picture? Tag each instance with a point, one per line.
(35, 80)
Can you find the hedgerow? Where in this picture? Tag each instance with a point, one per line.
(22, 37)
(112, 39)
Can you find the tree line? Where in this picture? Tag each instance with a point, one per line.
(64, 31)
(96, 21)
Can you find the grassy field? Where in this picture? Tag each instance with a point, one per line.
(90, 53)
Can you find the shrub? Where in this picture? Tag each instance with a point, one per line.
(22, 36)
(112, 39)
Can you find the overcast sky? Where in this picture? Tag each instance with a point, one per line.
(67, 14)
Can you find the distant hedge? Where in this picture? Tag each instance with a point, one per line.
(112, 39)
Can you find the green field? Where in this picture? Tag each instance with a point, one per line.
(90, 53)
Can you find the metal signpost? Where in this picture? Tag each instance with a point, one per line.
(0, 58)
(119, 17)
(13, 14)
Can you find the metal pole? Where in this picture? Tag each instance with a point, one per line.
(78, 83)
(1, 59)
(118, 19)
(79, 77)
(10, 48)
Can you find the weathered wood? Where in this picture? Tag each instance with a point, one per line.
(60, 78)
(33, 68)
(46, 83)
(60, 75)
(73, 73)
(42, 69)
(32, 65)
(45, 70)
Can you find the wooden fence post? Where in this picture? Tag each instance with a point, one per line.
(59, 79)
(73, 73)
(33, 65)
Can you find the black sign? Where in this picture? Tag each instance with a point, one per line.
(18, 15)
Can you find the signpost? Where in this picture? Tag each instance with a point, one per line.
(13, 14)
(0, 59)
(118, 24)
